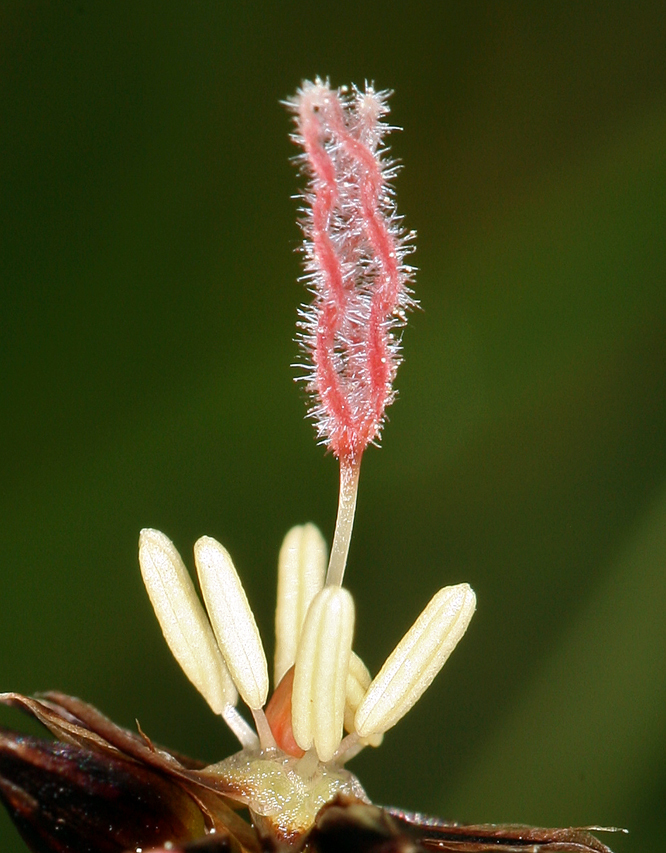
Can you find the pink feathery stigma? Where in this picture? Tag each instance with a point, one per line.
(354, 259)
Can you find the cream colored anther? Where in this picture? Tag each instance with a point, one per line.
(183, 620)
(416, 660)
(320, 675)
(301, 569)
(232, 620)
(358, 681)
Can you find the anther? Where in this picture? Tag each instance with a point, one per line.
(232, 620)
(183, 620)
(320, 675)
(416, 660)
(301, 569)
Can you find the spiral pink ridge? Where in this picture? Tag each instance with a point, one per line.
(355, 249)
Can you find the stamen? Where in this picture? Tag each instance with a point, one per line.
(350, 747)
(232, 620)
(183, 620)
(240, 727)
(308, 764)
(301, 568)
(358, 681)
(320, 676)
(266, 738)
(416, 660)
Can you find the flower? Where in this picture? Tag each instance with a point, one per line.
(100, 787)
(297, 755)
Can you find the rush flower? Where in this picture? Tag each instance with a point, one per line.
(298, 753)
(99, 787)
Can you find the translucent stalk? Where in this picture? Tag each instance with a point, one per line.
(344, 524)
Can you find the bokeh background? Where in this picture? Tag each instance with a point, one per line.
(148, 299)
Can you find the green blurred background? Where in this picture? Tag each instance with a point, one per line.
(148, 302)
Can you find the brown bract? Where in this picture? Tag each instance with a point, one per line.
(101, 787)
